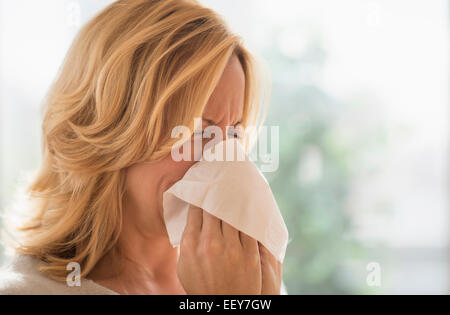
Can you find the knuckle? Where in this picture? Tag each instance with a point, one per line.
(187, 242)
(212, 246)
(253, 259)
(233, 253)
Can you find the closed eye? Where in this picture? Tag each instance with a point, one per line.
(231, 132)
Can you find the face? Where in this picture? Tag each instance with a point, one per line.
(146, 182)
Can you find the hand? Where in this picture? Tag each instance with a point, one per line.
(215, 258)
(272, 271)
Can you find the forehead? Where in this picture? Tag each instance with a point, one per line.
(227, 100)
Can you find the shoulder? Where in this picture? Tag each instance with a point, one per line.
(21, 276)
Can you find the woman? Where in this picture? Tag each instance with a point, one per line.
(137, 70)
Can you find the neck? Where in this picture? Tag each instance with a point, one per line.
(150, 252)
(147, 262)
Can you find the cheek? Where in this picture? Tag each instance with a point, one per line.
(145, 181)
(174, 171)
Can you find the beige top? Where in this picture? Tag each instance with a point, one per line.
(20, 276)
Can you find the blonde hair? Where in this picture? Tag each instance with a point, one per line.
(135, 71)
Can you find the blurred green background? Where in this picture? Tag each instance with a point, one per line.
(315, 174)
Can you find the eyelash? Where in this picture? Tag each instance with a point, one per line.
(202, 133)
(237, 136)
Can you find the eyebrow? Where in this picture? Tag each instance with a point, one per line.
(211, 122)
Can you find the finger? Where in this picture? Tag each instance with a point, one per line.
(266, 255)
(194, 220)
(248, 242)
(211, 224)
(279, 268)
(230, 233)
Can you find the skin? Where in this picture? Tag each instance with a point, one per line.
(214, 257)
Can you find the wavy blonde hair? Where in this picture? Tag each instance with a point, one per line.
(135, 71)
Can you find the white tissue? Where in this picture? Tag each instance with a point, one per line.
(233, 191)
